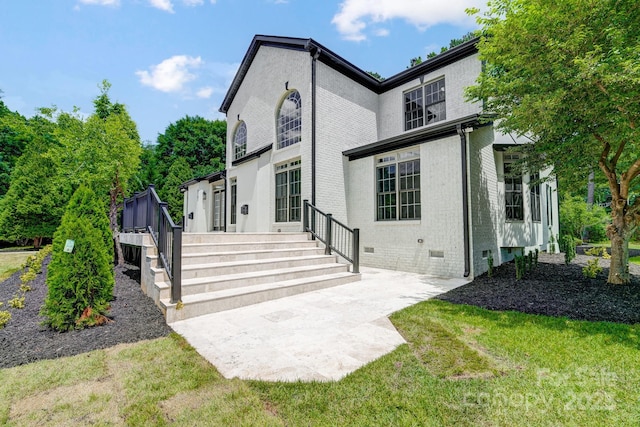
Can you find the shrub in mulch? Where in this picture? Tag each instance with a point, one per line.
(554, 289)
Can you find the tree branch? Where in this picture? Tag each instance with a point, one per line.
(615, 159)
(608, 171)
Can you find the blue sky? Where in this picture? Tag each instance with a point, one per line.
(169, 58)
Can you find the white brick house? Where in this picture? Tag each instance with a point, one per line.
(406, 160)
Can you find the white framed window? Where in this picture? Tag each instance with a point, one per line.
(289, 126)
(234, 200)
(398, 187)
(425, 105)
(534, 197)
(513, 200)
(240, 140)
(288, 200)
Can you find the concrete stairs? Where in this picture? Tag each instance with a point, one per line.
(223, 271)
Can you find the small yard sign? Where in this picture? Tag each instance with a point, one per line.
(68, 247)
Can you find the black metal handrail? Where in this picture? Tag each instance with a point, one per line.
(335, 235)
(145, 212)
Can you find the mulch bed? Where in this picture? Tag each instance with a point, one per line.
(555, 289)
(134, 317)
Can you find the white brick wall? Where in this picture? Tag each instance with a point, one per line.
(457, 76)
(395, 243)
(346, 117)
(257, 102)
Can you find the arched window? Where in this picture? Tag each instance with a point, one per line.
(240, 140)
(290, 120)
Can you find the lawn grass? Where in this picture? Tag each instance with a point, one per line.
(635, 259)
(10, 262)
(607, 244)
(462, 366)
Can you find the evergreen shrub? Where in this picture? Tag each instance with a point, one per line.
(80, 284)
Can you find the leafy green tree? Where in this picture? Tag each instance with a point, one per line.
(14, 135)
(567, 75)
(35, 200)
(376, 75)
(199, 141)
(179, 172)
(80, 284)
(148, 171)
(104, 153)
(576, 217)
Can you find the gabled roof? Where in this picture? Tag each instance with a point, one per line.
(343, 66)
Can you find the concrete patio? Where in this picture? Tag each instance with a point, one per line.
(317, 336)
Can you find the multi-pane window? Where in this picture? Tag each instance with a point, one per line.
(424, 105)
(409, 173)
(234, 200)
(290, 120)
(240, 141)
(413, 109)
(288, 192)
(534, 196)
(398, 183)
(513, 194)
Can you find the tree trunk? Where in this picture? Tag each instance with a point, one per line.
(113, 222)
(619, 232)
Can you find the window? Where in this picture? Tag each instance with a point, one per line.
(512, 194)
(240, 140)
(290, 120)
(398, 179)
(288, 192)
(534, 193)
(234, 200)
(424, 105)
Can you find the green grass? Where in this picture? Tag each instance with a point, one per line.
(462, 366)
(10, 262)
(607, 244)
(635, 259)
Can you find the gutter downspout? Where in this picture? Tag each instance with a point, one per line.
(465, 199)
(315, 53)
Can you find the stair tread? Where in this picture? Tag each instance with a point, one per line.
(252, 262)
(227, 293)
(252, 242)
(252, 274)
(255, 251)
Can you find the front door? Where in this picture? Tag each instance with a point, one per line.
(218, 210)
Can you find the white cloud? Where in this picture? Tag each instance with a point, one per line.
(171, 74)
(355, 15)
(101, 2)
(165, 5)
(193, 2)
(204, 92)
(382, 32)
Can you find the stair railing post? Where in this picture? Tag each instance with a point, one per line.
(162, 234)
(356, 251)
(135, 209)
(305, 216)
(176, 268)
(328, 242)
(149, 206)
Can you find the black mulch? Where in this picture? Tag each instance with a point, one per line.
(23, 340)
(555, 289)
